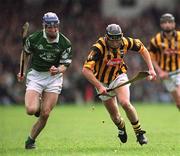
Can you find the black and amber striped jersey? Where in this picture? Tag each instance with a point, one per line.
(166, 52)
(107, 63)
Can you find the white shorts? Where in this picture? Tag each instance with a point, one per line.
(119, 80)
(43, 81)
(172, 83)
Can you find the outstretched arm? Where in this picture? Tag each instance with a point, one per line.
(146, 56)
(92, 79)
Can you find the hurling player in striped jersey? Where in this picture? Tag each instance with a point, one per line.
(105, 68)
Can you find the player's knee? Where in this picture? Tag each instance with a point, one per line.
(125, 104)
(31, 110)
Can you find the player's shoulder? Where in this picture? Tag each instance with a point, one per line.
(64, 40)
(100, 41)
(129, 40)
(35, 35)
(99, 44)
(157, 35)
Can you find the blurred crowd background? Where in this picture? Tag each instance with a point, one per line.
(83, 22)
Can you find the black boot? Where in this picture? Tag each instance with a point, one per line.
(141, 138)
(30, 143)
(122, 135)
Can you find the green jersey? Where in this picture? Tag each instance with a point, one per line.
(46, 54)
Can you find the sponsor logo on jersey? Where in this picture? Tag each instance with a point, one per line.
(50, 57)
(171, 52)
(114, 62)
(40, 47)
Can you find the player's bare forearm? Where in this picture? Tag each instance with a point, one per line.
(56, 70)
(92, 79)
(147, 58)
(156, 66)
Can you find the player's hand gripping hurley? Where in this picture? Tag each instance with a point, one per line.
(139, 76)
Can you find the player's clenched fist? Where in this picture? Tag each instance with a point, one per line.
(54, 70)
(20, 77)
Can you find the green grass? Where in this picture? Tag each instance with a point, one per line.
(79, 131)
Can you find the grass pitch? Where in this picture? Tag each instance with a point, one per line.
(82, 131)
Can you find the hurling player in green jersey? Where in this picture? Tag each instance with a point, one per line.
(51, 54)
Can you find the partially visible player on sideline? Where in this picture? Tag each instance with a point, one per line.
(165, 53)
(105, 68)
(51, 55)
